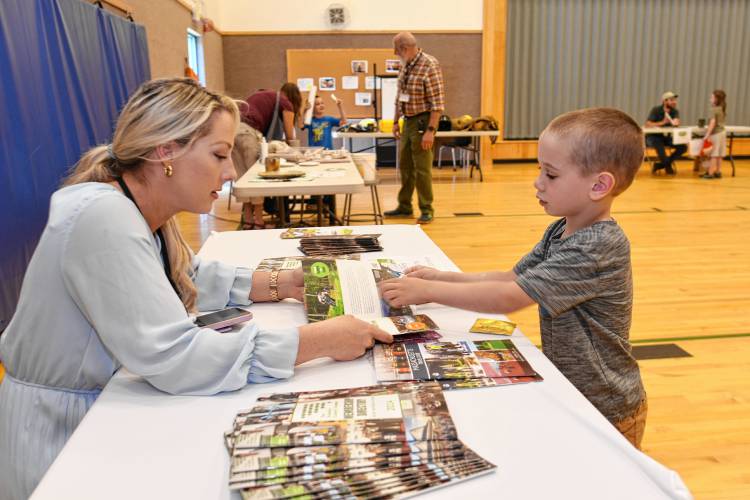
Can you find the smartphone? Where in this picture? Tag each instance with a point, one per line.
(223, 319)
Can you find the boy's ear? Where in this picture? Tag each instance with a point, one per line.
(604, 183)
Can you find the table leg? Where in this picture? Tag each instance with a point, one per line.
(319, 203)
(282, 210)
(731, 158)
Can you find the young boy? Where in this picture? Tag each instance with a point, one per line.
(579, 273)
(320, 130)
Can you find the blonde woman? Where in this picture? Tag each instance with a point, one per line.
(716, 133)
(112, 282)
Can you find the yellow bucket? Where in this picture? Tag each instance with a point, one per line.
(386, 125)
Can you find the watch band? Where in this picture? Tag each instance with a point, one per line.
(273, 286)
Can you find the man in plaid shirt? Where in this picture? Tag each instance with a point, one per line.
(421, 101)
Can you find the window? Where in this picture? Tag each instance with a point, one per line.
(195, 55)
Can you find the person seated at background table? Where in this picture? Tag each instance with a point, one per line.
(320, 130)
(271, 114)
(320, 133)
(665, 115)
(716, 133)
(112, 283)
(579, 273)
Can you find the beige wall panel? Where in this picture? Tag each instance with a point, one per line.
(166, 23)
(213, 54)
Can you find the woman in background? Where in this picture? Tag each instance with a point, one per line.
(112, 283)
(265, 114)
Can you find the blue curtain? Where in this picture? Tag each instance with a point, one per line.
(66, 68)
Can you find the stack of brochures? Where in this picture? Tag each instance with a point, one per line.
(462, 364)
(383, 441)
(339, 244)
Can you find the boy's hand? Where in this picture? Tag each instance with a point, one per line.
(406, 291)
(422, 272)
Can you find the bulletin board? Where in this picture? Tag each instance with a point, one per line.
(337, 64)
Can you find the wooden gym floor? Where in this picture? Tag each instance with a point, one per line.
(692, 287)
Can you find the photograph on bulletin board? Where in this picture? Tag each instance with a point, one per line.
(392, 65)
(327, 83)
(359, 66)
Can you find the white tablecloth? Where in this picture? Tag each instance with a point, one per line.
(324, 178)
(546, 438)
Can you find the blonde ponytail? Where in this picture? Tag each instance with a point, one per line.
(159, 112)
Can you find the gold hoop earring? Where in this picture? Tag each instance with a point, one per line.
(168, 170)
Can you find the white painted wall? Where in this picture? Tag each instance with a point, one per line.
(364, 15)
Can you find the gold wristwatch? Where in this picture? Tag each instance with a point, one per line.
(273, 286)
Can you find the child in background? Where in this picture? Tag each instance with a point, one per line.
(716, 133)
(320, 130)
(579, 273)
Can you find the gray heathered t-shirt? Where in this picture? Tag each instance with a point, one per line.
(584, 287)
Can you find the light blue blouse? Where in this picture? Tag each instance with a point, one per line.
(95, 297)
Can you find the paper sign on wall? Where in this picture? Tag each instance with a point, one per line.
(350, 82)
(370, 82)
(305, 84)
(363, 98)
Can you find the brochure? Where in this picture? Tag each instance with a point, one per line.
(303, 232)
(291, 263)
(496, 326)
(385, 483)
(334, 287)
(408, 412)
(400, 325)
(464, 359)
(419, 337)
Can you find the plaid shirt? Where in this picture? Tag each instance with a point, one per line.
(422, 80)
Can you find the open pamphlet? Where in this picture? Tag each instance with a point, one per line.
(335, 286)
(456, 365)
(291, 263)
(392, 440)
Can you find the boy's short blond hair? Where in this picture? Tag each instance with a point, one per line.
(602, 140)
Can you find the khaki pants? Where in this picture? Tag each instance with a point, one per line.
(416, 165)
(632, 427)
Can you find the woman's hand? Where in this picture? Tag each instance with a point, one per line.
(406, 291)
(291, 284)
(423, 272)
(342, 338)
